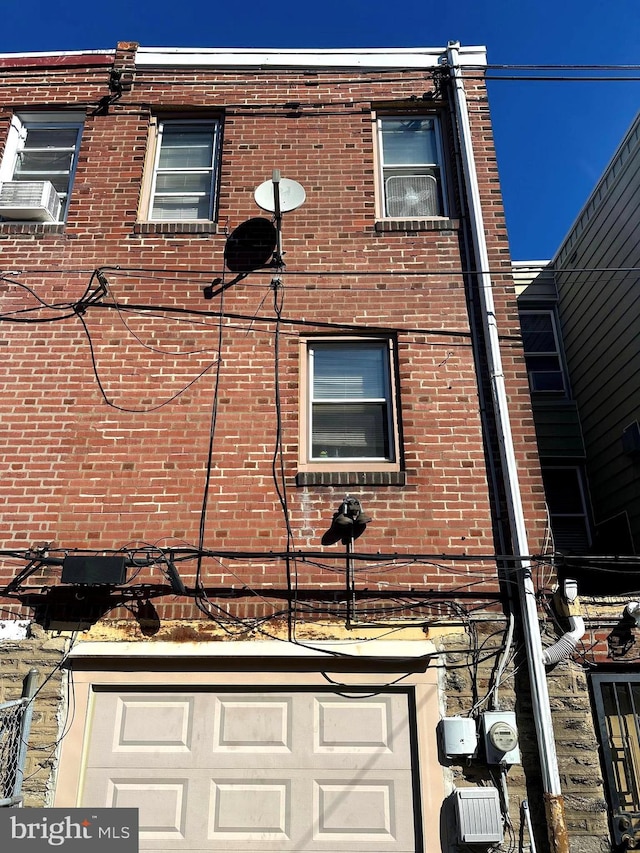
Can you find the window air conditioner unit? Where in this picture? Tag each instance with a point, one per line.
(412, 196)
(35, 201)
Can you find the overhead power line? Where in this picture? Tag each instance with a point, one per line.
(183, 273)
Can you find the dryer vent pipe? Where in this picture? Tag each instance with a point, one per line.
(566, 645)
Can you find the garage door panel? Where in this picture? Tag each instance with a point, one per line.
(252, 723)
(162, 801)
(229, 730)
(138, 728)
(314, 772)
(250, 810)
(354, 809)
(356, 726)
(153, 724)
(161, 805)
(239, 813)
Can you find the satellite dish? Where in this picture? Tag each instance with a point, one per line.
(251, 245)
(292, 195)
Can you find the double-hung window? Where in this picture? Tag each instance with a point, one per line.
(184, 178)
(351, 411)
(39, 164)
(411, 167)
(542, 351)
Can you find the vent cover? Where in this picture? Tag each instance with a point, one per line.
(35, 201)
(412, 196)
(478, 814)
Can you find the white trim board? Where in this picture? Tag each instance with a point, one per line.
(370, 58)
(372, 649)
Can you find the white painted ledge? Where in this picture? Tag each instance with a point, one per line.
(372, 649)
(14, 629)
(370, 58)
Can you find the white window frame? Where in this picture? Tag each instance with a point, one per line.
(19, 128)
(308, 462)
(214, 125)
(555, 353)
(409, 169)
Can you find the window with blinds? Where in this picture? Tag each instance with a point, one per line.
(350, 413)
(185, 171)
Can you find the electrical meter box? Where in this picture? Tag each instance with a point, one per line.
(500, 737)
(458, 736)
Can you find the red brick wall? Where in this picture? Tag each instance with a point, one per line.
(78, 473)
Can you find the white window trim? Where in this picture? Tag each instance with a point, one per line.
(20, 121)
(380, 168)
(152, 168)
(306, 462)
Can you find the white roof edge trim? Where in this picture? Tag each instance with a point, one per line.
(367, 649)
(526, 264)
(30, 55)
(418, 57)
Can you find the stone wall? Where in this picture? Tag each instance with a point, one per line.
(577, 747)
(45, 653)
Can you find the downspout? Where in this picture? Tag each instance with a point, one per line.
(553, 801)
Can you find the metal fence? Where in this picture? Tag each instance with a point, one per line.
(15, 724)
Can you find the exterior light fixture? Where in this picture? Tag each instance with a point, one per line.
(633, 611)
(348, 523)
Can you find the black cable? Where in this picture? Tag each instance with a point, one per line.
(547, 79)
(192, 553)
(129, 409)
(139, 339)
(200, 594)
(277, 461)
(316, 324)
(183, 274)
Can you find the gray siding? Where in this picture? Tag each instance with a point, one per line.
(558, 430)
(599, 305)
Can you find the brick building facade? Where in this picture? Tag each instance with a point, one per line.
(184, 398)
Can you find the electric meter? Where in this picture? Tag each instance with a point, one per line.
(503, 737)
(500, 737)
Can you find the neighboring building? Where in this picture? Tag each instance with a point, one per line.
(264, 522)
(599, 303)
(580, 317)
(555, 411)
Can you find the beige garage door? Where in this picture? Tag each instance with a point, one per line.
(287, 771)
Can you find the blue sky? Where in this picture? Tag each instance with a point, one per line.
(553, 138)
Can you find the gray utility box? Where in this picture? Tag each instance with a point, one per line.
(458, 736)
(478, 815)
